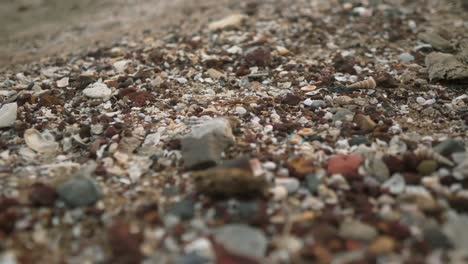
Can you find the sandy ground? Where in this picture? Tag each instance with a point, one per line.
(35, 29)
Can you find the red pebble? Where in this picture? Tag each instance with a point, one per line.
(347, 165)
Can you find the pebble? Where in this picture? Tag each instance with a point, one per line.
(79, 191)
(278, 193)
(242, 240)
(359, 140)
(203, 147)
(241, 110)
(343, 115)
(308, 102)
(240, 179)
(312, 183)
(215, 74)
(8, 114)
(382, 245)
(427, 167)
(436, 238)
(346, 165)
(449, 146)
(396, 184)
(184, 209)
(291, 99)
(378, 169)
(62, 82)
(201, 247)
(356, 230)
(121, 66)
(291, 184)
(97, 90)
(191, 258)
(406, 57)
(365, 123)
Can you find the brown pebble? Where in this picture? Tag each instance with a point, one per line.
(382, 245)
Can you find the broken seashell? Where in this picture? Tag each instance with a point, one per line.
(426, 153)
(231, 21)
(8, 114)
(366, 84)
(42, 143)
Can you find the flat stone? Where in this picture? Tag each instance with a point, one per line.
(203, 147)
(242, 240)
(8, 114)
(79, 191)
(382, 245)
(406, 57)
(97, 90)
(291, 184)
(449, 146)
(427, 167)
(437, 42)
(445, 67)
(356, 230)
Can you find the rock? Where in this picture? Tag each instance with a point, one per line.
(312, 183)
(378, 169)
(427, 167)
(241, 110)
(80, 190)
(317, 103)
(184, 209)
(258, 56)
(231, 181)
(232, 21)
(436, 238)
(8, 114)
(343, 100)
(291, 184)
(437, 42)
(356, 230)
(278, 193)
(124, 244)
(449, 146)
(463, 54)
(301, 166)
(97, 90)
(365, 123)
(121, 66)
(343, 115)
(215, 74)
(382, 245)
(445, 67)
(359, 140)
(461, 170)
(62, 82)
(396, 184)
(42, 195)
(291, 99)
(242, 240)
(406, 57)
(203, 147)
(346, 165)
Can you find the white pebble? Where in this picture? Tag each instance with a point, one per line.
(308, 102)
(279, 193)
(97, 90)
(291, 184)
(241, 110)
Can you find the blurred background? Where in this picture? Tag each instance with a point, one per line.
(32, 29)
